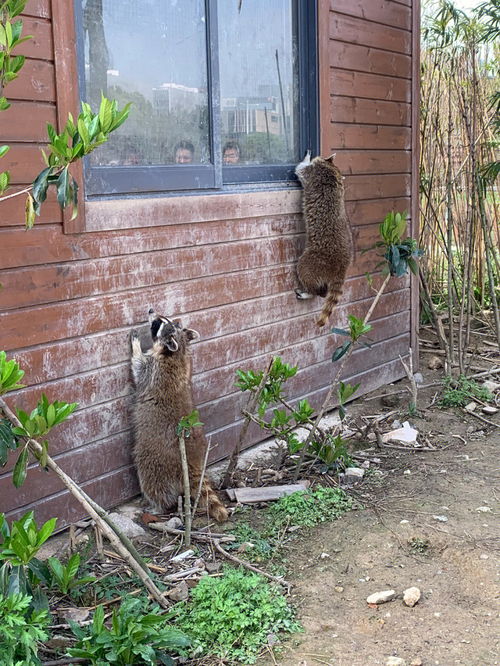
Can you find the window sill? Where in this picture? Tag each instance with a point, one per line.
(234, 202)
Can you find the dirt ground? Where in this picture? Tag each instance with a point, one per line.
(430, 520)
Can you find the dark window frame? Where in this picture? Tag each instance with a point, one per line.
(110, 181)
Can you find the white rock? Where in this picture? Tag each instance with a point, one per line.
(395, 661)
(353, 474)
(416, 662)
(406, 435)
(338, 588)
(418, 377)
(483, 556)
(471, 407)
(491, 386)
(441, 519)
(183, 556)
(324, 556)
(175, 523)
(484, 509)
(411, 596)
(489, 409)
(381, 597)
(404, 522)
(129, 527)
(435, 362)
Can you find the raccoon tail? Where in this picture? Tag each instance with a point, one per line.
(332, 298)
(209, 501)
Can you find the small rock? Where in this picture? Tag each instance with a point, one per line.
(353, 474)
(213, 567)
(200, 563)
(324, 556)
(365, 464)
(441, 519)
(416, 662)
(407, 472)
(489, 409)
(395, 661)
(411, 596)
(338, 588)
(491, 386)
(175, 523)
(381, 597)
(483, 509)
(396, 424)
(418, 377)
(129, 527)
(404, 522)
(435, 362)
(179, 593)
(393, 400)
(471, 407)
(59, 641)
(183, 556)
(483, 556)
(272, 639)
(74, 614)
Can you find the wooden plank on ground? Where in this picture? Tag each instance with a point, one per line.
(265, 493)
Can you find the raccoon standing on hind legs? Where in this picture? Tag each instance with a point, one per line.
(162, 397)
(329, 246)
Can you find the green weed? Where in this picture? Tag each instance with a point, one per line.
(135, 637)
(231, 617)
(21, 630)
(458, 392)
(310, 507)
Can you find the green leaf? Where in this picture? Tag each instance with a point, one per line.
(4, 150)
(4, 104)
(340, 331)
(20, 469)
(341, 351)
(4, 181)
(63, 188)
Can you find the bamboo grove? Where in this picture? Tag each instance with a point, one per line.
(459, 166)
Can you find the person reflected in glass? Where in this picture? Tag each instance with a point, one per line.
(184, 152)
(231, 152)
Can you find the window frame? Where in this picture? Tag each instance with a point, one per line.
(171, 180)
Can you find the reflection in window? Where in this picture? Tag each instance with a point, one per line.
(258, 81)
(151, 53)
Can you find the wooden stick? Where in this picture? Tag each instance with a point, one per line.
(201, 536)
(187, 491)
(105, 525)
(247, 565)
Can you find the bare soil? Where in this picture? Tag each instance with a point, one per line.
(396, 542)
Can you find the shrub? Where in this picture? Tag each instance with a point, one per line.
(231, 617)
(21, 630)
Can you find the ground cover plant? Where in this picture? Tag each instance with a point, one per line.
(232, 616)
(460, 391)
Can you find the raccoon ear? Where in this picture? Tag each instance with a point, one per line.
(191, 334)
(177, 322)
(151, 315)
(171, 345)
(331, 158)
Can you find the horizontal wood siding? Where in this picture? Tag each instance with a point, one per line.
(224, 263)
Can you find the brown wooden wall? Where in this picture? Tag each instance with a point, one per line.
(224, 263)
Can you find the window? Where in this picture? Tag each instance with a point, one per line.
(222, 91)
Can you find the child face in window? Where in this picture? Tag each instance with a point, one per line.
(183, 156)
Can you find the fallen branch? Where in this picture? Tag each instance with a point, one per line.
(411, 378)
(97, 513)
(247, 565)
(201, 536)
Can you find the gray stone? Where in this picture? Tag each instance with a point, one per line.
(180, 592)
(491, 386)
(411, 596)
(353, 474)
(381, 597)
(77, 615)
(395, 661)
(175, 523)
(489, 409)
(418, 377)
(471, 407)
(130, 528)
(441, 519)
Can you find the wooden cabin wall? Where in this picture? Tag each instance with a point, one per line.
(225, 263)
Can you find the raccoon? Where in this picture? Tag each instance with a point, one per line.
(322, 268)
(162, 397)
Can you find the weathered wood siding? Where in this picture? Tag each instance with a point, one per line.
(224, 263)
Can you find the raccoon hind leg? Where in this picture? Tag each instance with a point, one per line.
(311, 272)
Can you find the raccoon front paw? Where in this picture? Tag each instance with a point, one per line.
(133, 335)
(302, 295)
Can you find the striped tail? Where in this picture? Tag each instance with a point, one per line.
(332, 298)
(211, 503)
